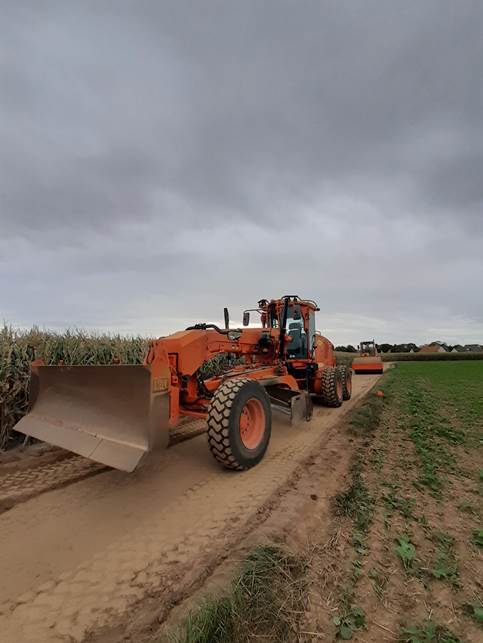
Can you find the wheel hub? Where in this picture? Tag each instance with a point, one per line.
(252, 424)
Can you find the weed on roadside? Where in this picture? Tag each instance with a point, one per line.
(406, 552)
(477, 537)
(467, 507)
(403, 505)
(213, 621)
(265, 601)
(428, 633)
(445, 566)
(349, 621)
(365, 418)
(379, 581)
(356, 502)
(475, 610)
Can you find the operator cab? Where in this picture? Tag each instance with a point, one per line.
(299, 323)
(301, 331)
(297, 348)
(368, 348)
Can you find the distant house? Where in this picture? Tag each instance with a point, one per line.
(457, 349)
(433, 348)
(472, 348)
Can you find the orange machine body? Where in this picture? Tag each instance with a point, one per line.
(117, 414)
(280, 353)
(369, 360)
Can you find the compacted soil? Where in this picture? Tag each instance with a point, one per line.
(105, 556)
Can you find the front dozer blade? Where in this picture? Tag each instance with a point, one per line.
(106, 413)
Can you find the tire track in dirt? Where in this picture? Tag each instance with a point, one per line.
(21, 484)
(106, 542)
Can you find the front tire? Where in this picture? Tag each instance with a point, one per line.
(239, 424)
(331, 387)
(346, 375)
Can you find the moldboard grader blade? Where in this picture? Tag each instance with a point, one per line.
(105, 413)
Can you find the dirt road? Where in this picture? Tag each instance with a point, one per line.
(80, 558)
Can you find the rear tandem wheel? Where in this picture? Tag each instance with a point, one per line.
(239, 423)
(331, 387)
(346, 374)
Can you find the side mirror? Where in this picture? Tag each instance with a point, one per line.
(246, 318)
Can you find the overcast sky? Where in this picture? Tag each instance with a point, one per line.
(160, 160)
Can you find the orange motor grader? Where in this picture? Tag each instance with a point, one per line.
(116, 414)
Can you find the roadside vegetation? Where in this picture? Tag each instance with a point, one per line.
(408, 526)
(264, 602)
(344, 357)
(71, 348)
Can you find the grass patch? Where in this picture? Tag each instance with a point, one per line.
(468, 507)
(394, 502)
(265, 601)
(213, 621)
(356, 502)
(347, 622)
(445, 566)
(477, 537)
(428, 633)
(475, 610)
(365, 418)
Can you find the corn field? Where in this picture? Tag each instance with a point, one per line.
(19, 348)
(72, 348)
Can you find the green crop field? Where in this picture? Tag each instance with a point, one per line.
(443, 405)
(344, 357)
(423, 473)
(414, 499)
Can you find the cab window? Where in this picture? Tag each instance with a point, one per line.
(297, 347)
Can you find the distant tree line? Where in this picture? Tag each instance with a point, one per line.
(411, 347)
(384, 348)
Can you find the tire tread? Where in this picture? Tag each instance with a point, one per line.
(328, 387)
(218, 422)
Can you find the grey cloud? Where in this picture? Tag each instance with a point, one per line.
(161, 159)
